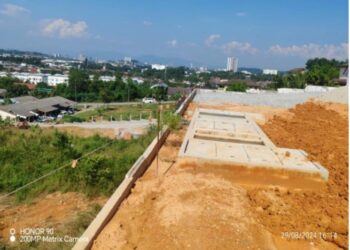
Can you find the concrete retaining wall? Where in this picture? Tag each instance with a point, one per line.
(123, 190)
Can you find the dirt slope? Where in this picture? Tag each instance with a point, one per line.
(323, 134)
(191, 206)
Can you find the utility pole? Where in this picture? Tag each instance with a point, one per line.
(75, 86)
(158, 131)
(128, 93)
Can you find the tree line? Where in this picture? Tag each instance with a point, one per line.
(318, 71)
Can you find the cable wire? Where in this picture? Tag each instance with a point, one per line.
(54, 171)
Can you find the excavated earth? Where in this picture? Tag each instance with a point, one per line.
(181, 204)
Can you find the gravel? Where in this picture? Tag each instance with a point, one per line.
(272, 99)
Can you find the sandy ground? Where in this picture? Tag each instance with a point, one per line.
(102, 128)
(323, 133)
(186, 206)
(86, 132)
(50, 211)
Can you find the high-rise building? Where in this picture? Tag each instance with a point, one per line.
(232, 64)
(82, 58)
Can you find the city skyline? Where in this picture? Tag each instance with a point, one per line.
(262, 34)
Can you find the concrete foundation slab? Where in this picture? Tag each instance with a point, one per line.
(234, 137)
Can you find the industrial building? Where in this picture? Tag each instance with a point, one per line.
(32, 109)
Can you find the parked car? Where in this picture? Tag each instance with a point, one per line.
(149, 100)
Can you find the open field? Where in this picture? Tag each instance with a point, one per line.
(67, 200)
(122, 112)
(203, 206)
(110, 129)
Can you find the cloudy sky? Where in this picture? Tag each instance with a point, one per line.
(261, 33)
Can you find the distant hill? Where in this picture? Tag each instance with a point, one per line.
(22, 53)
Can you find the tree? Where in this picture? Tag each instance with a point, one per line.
(78, 83)
(237, 87)
(322, 71)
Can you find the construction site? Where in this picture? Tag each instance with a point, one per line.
(237, 175)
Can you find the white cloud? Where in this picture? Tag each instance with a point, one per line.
(312, 50)
(147, 23)
(211, 39)
(173, 43)
(13, 10)
(241, 14)
(63, 28)
(243, 47)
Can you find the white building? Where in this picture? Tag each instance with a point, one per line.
(28, 77)
(270, 71)
(137, 80)
(232, 64)
(246, 72)
(54, 80)
(51, 80)
(127, 59)
(107, 78)
(158, 66)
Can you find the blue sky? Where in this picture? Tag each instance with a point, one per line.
(261, 33)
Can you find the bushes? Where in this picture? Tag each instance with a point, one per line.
(172, 120)
(27, 155)
(72, 118)
(5, 123)
(237, 87)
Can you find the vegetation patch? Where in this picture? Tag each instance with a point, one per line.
(29, 154)
(121, 112)
(237, 87)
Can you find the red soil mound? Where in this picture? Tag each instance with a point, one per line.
(323, 134)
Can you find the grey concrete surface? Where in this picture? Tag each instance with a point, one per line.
(339, 95)
(272, 99)
(133, 124)
(233, 137)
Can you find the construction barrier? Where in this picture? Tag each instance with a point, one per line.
(124, 189)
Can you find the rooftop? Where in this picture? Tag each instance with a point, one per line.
(28, 107)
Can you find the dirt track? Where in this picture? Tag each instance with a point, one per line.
(191, 207)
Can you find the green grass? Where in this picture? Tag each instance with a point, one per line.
(28, 154)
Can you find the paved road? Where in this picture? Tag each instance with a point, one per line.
(99, 104)
(129, 125)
